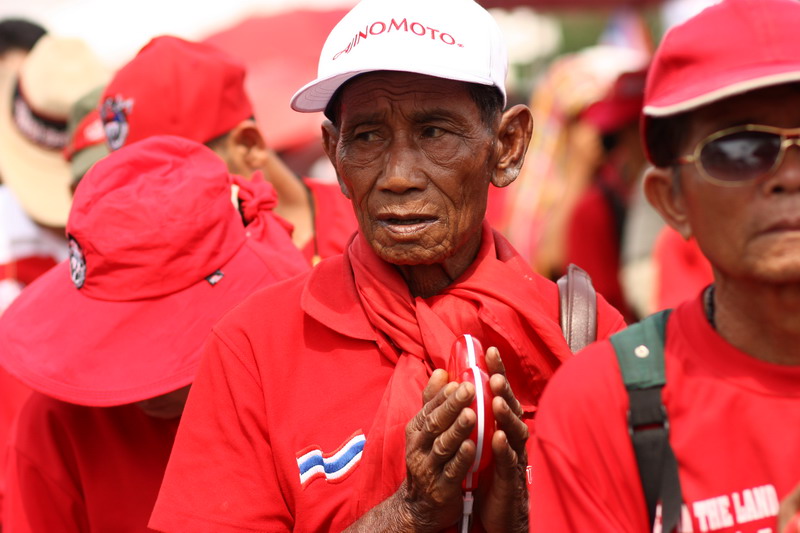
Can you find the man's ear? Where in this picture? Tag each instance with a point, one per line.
(330, 140)
(664, 192)
(513, 137)
(246, 147)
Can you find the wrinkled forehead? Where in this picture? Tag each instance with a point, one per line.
(397, 88)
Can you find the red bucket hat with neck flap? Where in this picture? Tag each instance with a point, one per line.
(158, 253)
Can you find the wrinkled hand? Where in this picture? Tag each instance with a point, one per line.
(439, 453)
(503, 504)
(789, 513)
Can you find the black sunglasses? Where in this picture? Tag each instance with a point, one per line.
(739, 154)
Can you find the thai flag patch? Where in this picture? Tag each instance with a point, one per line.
(335, 466)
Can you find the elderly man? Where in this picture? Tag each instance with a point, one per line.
(325, 403)
(721, 126)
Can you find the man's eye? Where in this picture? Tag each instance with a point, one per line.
(433, 132)
(366, 136)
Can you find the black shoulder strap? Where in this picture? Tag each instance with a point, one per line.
(640, 352)
(577, 308)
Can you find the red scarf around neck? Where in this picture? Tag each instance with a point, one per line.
(499, 299)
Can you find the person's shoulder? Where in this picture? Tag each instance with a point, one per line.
(280, 305)
(583, 388)
(593, 368)
(271, 305)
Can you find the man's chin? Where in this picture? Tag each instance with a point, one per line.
(408, 252)
(406, 255)
(784, 270)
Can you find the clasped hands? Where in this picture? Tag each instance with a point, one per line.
(439, 455)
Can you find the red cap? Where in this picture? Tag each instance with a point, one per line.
(158, 253)
(727, 49)
(621, 106)
(175, 87)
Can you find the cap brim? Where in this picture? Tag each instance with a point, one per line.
(314, 96)
(103, 353)
(39, 178)
(736, 83)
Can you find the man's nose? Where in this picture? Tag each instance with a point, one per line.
(402, 169)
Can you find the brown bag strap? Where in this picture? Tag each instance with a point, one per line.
(577, 307)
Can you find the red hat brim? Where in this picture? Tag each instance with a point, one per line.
(104, 353)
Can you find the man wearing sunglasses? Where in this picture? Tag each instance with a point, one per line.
(722, 128)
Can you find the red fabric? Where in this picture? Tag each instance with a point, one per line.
(261, 400)
(734, 425)
(26, 269)
(12, 392)
(334, 221)
(492, 301)
(257, 199)
(13, 395)
(681, 269)
(76, 469)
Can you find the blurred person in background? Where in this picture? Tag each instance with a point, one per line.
(26, 251)
(595, 229)
(637, 271)
(703, 438)
(110, 339)
(565, 152)
(193, 90)
(36, 91)
(86, 137)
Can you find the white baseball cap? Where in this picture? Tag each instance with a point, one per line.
(452, 39)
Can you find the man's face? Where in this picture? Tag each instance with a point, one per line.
(752, 231)
(416, 160)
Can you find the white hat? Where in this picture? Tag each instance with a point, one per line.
(34, 107)
(452, 39)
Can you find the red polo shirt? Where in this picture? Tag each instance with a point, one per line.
(275, 425)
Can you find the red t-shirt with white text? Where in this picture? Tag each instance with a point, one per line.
(734, 427)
